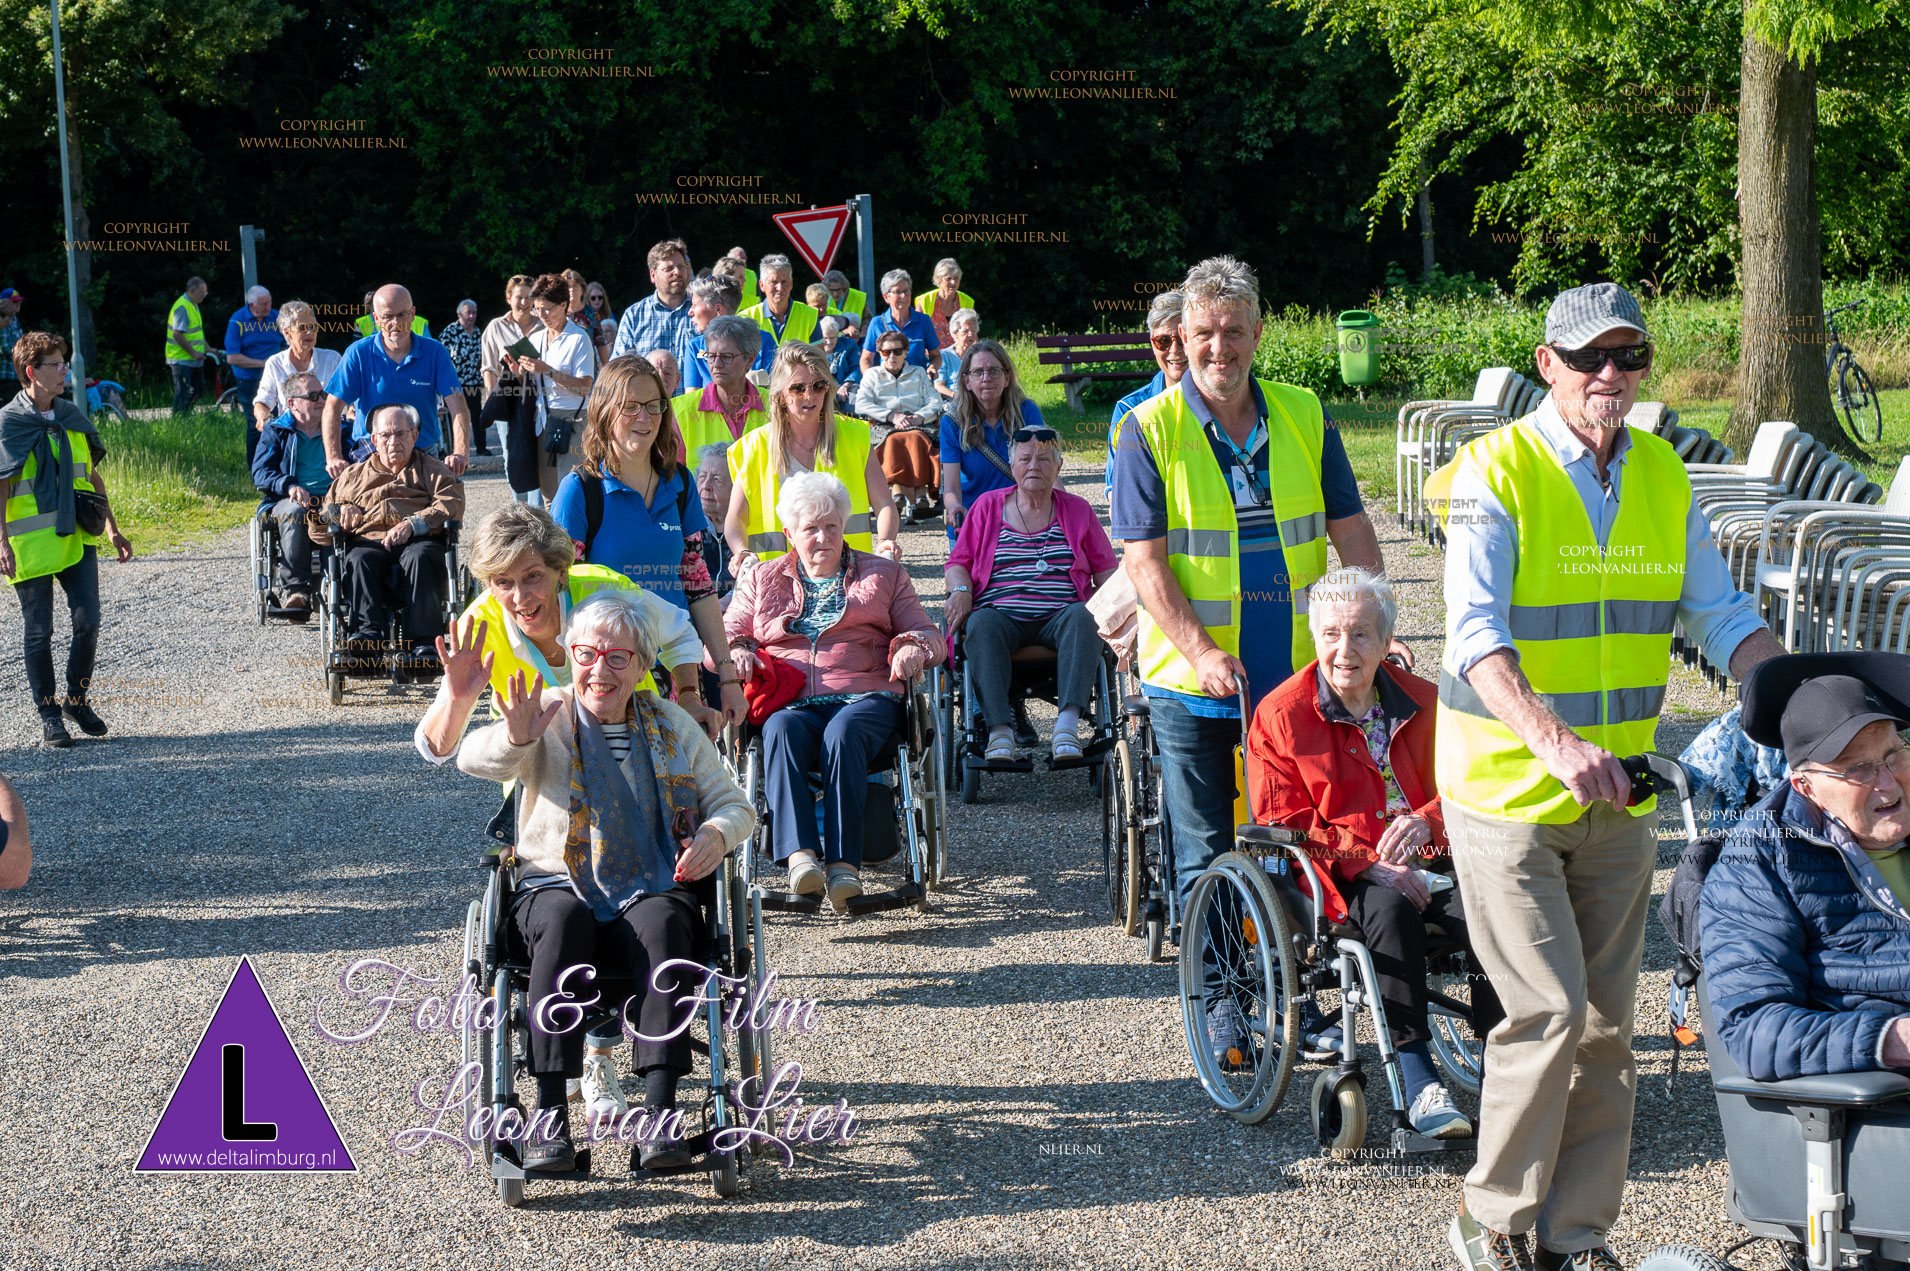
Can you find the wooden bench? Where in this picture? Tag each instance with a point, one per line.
(1071, 352)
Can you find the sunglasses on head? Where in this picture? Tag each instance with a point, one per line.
(1035, 434)
(1630, 357)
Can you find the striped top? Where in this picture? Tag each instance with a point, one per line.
(1030, 575)
(617, 737)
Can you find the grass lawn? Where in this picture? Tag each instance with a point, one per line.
(173, 481)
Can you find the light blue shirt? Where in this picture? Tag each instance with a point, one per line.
(1482, 556)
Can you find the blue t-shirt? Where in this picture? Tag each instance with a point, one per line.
(1153, 388)
(308, 467)
(845, 363)
(1139, 511)
(920, 330)
(979, 476)
(367, 378)
(950, 368)
(252, 337)
(696, 372)
(642, 541)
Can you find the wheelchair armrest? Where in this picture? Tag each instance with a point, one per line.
(1135, 704)
(1840, 1089)
(1268, 835)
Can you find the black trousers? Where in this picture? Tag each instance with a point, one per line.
(80, 582)
(295, 548)
(409, 581)
(1396, 937)
(558, 931)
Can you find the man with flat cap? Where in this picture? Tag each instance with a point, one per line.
(1573, 548)
(1805, 919)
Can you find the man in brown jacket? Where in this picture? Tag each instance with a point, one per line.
(391, 511)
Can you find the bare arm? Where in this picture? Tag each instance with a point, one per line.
(882, 505)
(1590, 772)
(1160, 594)
(1753, 651)
(16, 859)
(736, 522)
(333, 433)
(1354, 538)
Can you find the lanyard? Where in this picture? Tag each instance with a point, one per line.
(1244, 458)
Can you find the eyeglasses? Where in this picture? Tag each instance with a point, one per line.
(396, 315)
(892, 352)
(307, 397)
(1630, 357)
(615, 659)
(642, 410)
(987, 373)
(820, 386)
(1162, 343)
(1035, 434)
(1864, 774)
(50, 366)
(305, 326)
(392, 436)
(719, 359)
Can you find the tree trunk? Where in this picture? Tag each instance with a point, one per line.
(1425, 229)
(82, 225)
(1781, 359)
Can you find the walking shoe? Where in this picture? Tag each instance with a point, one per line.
(1599, 1259)
(845, 884)
(80, 713)
(1227, 1037)
(1434, 1115)
(1322, 1047)
(556, 1154)
(805, 876)
(601, 1094)
(297, 606)
(663, 1154)
(1480, 1248)
(1024, 731)
(53, 732)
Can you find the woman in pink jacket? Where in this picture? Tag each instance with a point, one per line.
(851, 624)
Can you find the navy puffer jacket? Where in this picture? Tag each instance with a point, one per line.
(1805, 970)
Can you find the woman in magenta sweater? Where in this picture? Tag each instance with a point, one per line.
(1026, 561)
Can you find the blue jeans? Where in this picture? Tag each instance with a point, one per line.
(1197, 787)
(841, 740)
(188, 381)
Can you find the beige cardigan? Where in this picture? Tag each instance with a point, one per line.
(543, 805)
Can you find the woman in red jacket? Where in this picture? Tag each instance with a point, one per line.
(1344, 751)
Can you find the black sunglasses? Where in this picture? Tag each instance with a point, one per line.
(1035, 434)
(1630, 357)
(307, 397)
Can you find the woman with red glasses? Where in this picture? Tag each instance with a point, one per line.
(624, 811)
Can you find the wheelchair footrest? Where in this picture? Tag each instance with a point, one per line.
(504, 1165)
(788, 902)
(697, 1145)
(977, 764)
(1083, 760)
(876, 902)
(1412, 1143)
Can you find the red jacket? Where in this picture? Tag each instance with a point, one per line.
(1314, 774)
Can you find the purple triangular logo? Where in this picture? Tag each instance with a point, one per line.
(244, 1102)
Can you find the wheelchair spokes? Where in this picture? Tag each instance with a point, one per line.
(1238, 986)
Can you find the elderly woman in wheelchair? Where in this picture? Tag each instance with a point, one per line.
(624, 812)
(1343, 752)
(832, 636)
(1026, 561)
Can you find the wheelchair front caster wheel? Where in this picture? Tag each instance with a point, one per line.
(971, 784)
(1681, 1258)
(1154, 937)
(1339, 1113)
(723, 1173)
(511, 1191)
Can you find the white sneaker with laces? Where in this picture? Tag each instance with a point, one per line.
(1434, 1115)
(601, 1094)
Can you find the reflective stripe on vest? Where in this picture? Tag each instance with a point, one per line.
(749, 468)
(1203, 548)
(505, 661)
(194, 334)
(38, 550)
(925, 303)
(1592, 628)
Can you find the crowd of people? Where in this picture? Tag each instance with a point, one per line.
(709, 493)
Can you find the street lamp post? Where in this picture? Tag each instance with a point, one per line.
(77, 360)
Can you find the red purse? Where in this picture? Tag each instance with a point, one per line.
(776, 684)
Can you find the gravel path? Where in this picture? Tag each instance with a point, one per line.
(1024, 1091)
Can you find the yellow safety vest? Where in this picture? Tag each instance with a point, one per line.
(853, 301)
(750, 296)
(1203, 540)
(1593, 633)
(505, 662)
(38, 549)
(194, 334)
(418, 325)
(800, 326)
(749, 468)
(926, 301)
(706, 427)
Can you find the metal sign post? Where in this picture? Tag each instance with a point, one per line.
(865, 246)
(76, 360)
(249, 238)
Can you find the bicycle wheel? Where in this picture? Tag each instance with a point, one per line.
(1858, 400)
(1235, 923)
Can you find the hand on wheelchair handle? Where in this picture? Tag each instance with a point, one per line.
(1218, 670)
(1591, 773)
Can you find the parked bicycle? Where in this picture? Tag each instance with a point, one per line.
(1850, 386)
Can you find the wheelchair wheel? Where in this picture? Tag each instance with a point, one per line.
(971, 784)
(725, 1176)
(1338, 1106)
(1681, 1258)
(261, 565)
(1120, 855)
(1457, 1051)
(497, 1079)
(1234, 918)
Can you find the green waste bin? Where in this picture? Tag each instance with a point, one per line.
(1359, 347)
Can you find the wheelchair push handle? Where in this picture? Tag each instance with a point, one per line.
(1653, 774)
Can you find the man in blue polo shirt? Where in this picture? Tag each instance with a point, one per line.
(1163, 334)
(252, 336)
(396, 366)
(902, 315)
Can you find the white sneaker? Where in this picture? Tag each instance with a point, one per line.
(1434, 1115)
(602, 1096)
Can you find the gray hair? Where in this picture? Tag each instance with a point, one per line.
(616, 612)
(292, 312)
(1164, 312)
(255, 291)
(965, 318)
(894, 276)
(463, 303)
(740, 332)
(812, 494)
(1352, 584)
(831, 326)
(835, 276)
(1221, 282)
(720, 290)
(945, 266)
(406, 409)
(715, 452)
(777, 263)
(289, 386)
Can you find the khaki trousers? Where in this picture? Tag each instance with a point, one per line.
(1557, 915)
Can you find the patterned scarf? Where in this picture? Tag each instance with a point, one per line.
(622, 841)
